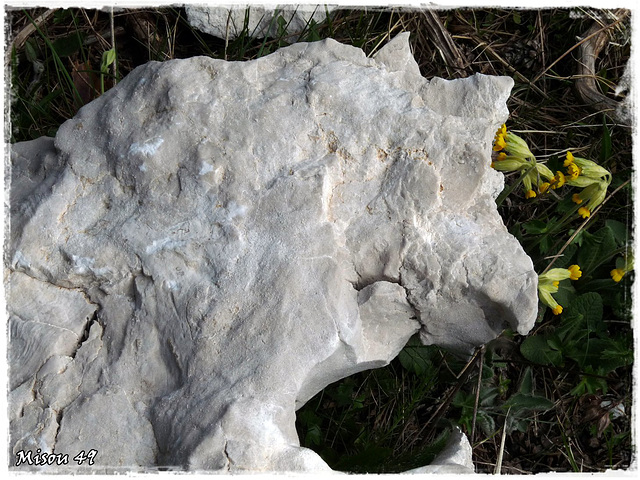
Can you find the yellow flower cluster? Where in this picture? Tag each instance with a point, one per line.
(548, 284)
(592, 178)
(513, 155)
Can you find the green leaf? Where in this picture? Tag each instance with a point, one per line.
(517, 19)
(534, 227)
(416, 358)
(30, 51)
(619, 230)
(537, 350)
(68, 45)
(621, 304)
(566, 259)
(108, 57)
(596, 249)
(313, 436)
(546, 243)
(312, 34)
(487, 396)
(486, 423)
(584, 313)
(589, 384)
(566, 293)
(554, 342)
(519, 402)
(526, 386)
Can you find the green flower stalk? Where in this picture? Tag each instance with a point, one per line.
(548, 284)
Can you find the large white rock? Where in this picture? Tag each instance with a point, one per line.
(207, 245)
(257, 21)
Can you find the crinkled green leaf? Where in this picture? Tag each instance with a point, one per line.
(595, 249)
(583, 317)
(537, 350)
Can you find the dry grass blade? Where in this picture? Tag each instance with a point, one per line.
(477, 400)
(444, 43)
(495, 55)
(587, 38)
(502, 442)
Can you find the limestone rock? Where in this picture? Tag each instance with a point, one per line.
(209, 244)
(259, 21)
(456, 457)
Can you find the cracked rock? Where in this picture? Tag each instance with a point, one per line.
(209, 244)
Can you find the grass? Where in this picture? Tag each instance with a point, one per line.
(559, 399)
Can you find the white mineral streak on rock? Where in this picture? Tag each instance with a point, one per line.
(206, 168)
(258, 21)
(149, 147)
(168, 317)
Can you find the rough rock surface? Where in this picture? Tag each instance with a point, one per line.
(207, 245)
(260, 21)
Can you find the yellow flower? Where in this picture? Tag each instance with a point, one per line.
(584, 212)
(623, 266)
(514, 155)
(544, 186)
(549, 282)
(593, 193)
(617, 274)
(558, 180)
(576, 273)
(573, 171)
(544, 293)
(569, 159)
